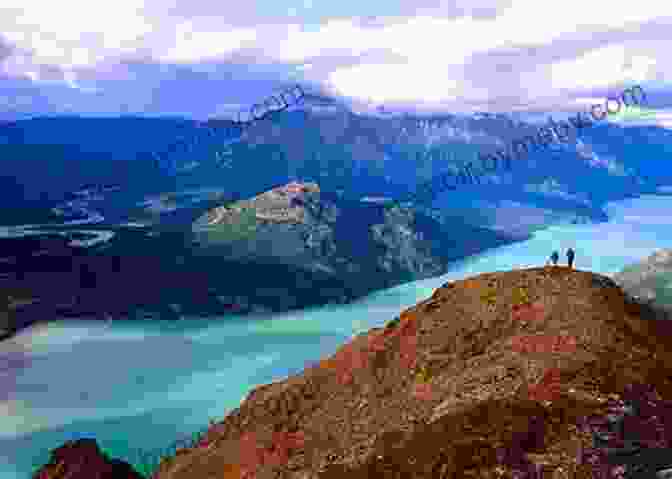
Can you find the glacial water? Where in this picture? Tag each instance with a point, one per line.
(141, 384)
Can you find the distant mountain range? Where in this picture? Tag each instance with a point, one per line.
(322, 141)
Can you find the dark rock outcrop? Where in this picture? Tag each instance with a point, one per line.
(12, 301)
(83, 459)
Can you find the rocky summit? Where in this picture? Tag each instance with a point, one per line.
(540, 372)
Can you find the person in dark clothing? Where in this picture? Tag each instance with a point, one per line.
(570, 257)
(554, 258)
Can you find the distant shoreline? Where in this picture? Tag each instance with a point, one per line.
(98, 304)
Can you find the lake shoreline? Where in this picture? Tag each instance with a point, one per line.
(22, 317)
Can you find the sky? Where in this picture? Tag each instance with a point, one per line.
(200, 59)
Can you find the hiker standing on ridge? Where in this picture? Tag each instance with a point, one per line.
(570, 257)
(554, 258)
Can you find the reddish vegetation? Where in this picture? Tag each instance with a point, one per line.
(548, 389)
(253, 455)
(528, 312)
(544, 343)
(422, 391)
(408, 348)
(348, 359)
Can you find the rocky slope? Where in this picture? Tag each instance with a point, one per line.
(364, 245)
(509, 374)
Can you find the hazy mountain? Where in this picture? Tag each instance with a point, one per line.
(323, 141)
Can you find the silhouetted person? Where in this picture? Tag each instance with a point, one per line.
(570, 257)
(554, 258)
(87, 277)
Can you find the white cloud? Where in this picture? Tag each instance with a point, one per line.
(74, 32)
(601, 68)
(433, 60)
(193, 45)
(435, 49)
(401, 83)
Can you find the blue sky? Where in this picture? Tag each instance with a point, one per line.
(200, 58)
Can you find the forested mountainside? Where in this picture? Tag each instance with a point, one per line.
(276, 251)
(356, 155)
(364, 245)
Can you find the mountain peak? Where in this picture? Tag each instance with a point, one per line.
(318, 103)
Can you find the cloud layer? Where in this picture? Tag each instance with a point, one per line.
(198, 58)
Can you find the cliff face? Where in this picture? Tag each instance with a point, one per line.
(502, 372)
(363, 244)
